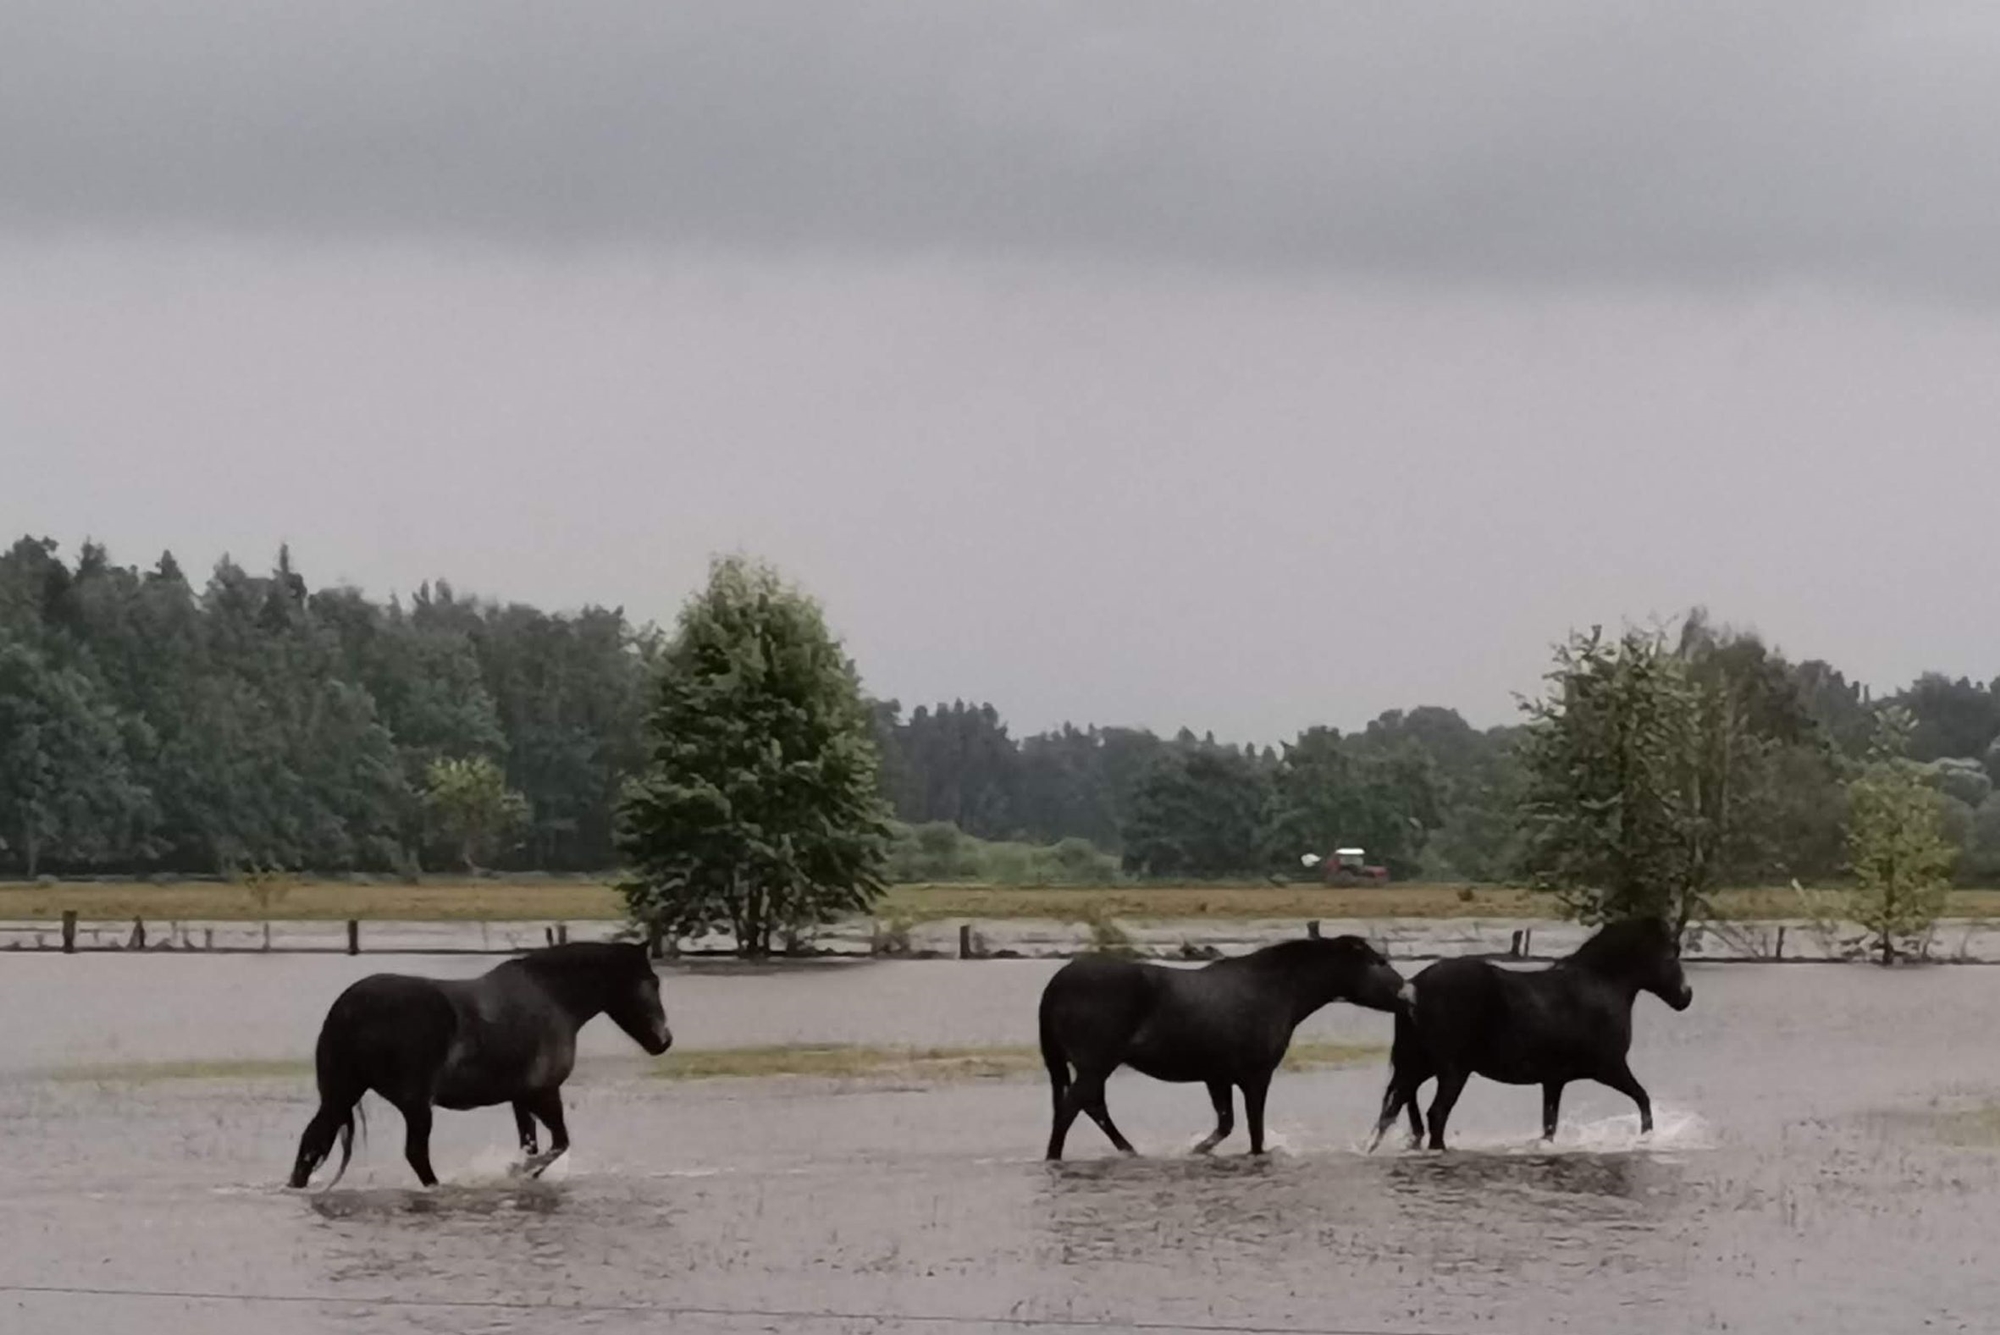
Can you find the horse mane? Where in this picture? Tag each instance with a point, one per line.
(1619, 946)
(596, 957)
(1302, 951)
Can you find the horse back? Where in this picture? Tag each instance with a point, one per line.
(1095, 1003)
(386, 1031)
(1514, 1025)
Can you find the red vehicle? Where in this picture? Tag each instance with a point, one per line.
(1348, 866)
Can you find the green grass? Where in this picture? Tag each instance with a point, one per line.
(140, 1072)
(831, 1061)
(581, 900)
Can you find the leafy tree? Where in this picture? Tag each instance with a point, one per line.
(67, 789)
(1899, 854)
(471, 807)
(759, 808)
(1950, 717)
(1200, 812)
(1981, 861)
(1646, 779)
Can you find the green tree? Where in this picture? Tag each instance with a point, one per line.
(1200, 811)
(759, 809)
(471, 807)
(68, 792)
(1899, 855)
(1646, 779)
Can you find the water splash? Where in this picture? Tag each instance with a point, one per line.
(500, 1165)
(1675, 1130)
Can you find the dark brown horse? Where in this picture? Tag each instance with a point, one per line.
(1547, 1027)
(507, 1036)
(1225, 1025)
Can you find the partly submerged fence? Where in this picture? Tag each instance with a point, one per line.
(1191, 939)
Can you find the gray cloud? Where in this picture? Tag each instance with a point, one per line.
(1709, 144)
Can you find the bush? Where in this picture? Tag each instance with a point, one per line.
(940, 853)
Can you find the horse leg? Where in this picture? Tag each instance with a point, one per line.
(1254, 1090)
(1400, 1097)
(1066, 1111)
(417, 1138)
(524, 1130)
(1102, 1116)
(1086, 1094)
(1450, 1083)
(547, 1105)
(1222, 1095)
(1552, 1097)
(1620, 1079)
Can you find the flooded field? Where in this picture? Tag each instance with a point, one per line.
(1827, 1160)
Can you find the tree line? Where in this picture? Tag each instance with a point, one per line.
(150, 725)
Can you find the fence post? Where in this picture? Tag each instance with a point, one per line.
(965, 940)
(1312, 928)
(138, 934)
(1514, 948)
(208, 938)
(1527, 942)
(1778, 952)
(69, 931)
(353, 936)
(562, 933)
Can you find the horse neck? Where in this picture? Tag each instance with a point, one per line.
(578, 996)
(1625, 987)
(1307, 984)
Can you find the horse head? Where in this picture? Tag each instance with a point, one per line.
(1644, 952)
(633, 1002)
(1364, 976)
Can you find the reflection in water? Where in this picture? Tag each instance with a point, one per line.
(379, 1202)
(1466, 1176)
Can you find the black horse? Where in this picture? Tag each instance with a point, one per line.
(507, 1036)
(1547, 1027)
(1226, 1024)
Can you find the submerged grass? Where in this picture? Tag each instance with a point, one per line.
(860, 1061)
(1976, 1127)
(143, 1072)
(831, 1061)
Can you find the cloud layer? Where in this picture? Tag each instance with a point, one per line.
(1569, 141)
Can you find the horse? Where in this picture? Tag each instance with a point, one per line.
(1225, 1025)
(1547, 1027)
(507, 1036)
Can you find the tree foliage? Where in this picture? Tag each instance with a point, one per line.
(251, 720)
(257, 723)
(1899, 854)
(1198, 812)
(758, 810)
(471, 807)
(1650, 770)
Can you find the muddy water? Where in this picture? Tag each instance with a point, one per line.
(1814, 1170)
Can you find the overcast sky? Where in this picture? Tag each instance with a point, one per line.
(1242, 366)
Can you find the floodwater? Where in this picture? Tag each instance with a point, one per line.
(1824, 1162)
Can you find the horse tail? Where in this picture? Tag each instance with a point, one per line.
(341, 1085)
(1403, 1047)
(1053, 1056)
